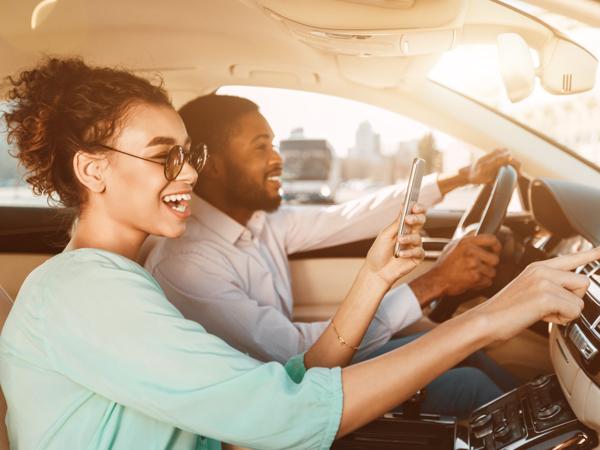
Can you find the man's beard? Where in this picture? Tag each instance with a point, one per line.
(243, 191)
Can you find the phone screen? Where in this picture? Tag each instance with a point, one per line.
(410, 198)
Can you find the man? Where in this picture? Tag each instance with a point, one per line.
(230, 270)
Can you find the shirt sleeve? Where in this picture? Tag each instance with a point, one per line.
(307, 228)
(205, 289)
(112, 331)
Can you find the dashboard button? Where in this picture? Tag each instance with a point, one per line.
(547, 412)
(481, 420)
(582, 343)
(540, 381)
(502, 432)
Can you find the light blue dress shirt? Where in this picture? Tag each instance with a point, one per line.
(93, 356)
(235, 280)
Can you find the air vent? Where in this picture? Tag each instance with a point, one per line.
(590, 269)
(591, 311)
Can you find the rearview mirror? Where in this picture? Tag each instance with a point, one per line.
(565, 67)
(516, 66)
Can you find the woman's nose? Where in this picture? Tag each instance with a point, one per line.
(188, 174)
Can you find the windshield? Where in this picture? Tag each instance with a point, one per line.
(570, 120)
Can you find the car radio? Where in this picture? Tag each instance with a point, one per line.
(583, 335)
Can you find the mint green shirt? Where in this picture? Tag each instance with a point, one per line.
(93, 356)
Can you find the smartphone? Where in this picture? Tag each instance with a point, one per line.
(410, 198)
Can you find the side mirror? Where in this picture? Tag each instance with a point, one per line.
(516, 66)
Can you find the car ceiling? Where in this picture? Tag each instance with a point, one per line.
(197, 46)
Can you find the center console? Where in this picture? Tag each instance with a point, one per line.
(535, 416)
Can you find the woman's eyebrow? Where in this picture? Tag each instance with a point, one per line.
(165, 140)
(161, 140)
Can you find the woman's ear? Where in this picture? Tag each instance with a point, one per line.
(89, 170)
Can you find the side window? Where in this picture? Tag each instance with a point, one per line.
(335, 149)
(14, 191)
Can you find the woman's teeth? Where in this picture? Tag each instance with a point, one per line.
(176, 197)
(178, 201)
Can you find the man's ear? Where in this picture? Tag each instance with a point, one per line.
(90, 170)
(214, 166)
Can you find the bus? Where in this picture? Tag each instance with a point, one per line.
(311, 171)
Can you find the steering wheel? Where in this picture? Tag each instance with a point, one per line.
(484, 217)
(489, 209)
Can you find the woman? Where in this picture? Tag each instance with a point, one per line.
(94, 356)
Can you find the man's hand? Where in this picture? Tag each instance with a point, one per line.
(484, 170)
(466, 264)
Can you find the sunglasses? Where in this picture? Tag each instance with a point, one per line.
(175, 159)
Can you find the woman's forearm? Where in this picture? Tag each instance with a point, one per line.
(547, 290)
(374, 387)
(351, 321)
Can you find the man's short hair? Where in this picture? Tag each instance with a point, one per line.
(210, 119)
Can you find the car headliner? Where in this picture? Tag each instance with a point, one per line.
(197, 46)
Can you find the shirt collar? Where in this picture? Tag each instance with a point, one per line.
(257, 223)
(219, 222)
(216, 220)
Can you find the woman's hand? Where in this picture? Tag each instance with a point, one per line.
(381, 260)
(545, 290)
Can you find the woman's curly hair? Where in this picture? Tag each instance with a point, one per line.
(63, 106)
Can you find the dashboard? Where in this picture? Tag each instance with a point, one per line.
(566, 211)
(556, 411)
(575, 353)
(561, 410)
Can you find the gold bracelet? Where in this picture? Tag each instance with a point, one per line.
(341, 340)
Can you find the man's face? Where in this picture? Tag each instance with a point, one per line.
(253, 167)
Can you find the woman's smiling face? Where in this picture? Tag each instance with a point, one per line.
(138, 196)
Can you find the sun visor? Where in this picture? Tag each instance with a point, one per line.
(566, 208)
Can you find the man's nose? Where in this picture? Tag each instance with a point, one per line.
(275, 156)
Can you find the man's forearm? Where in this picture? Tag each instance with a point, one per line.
(428, 287)
(447, 183)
